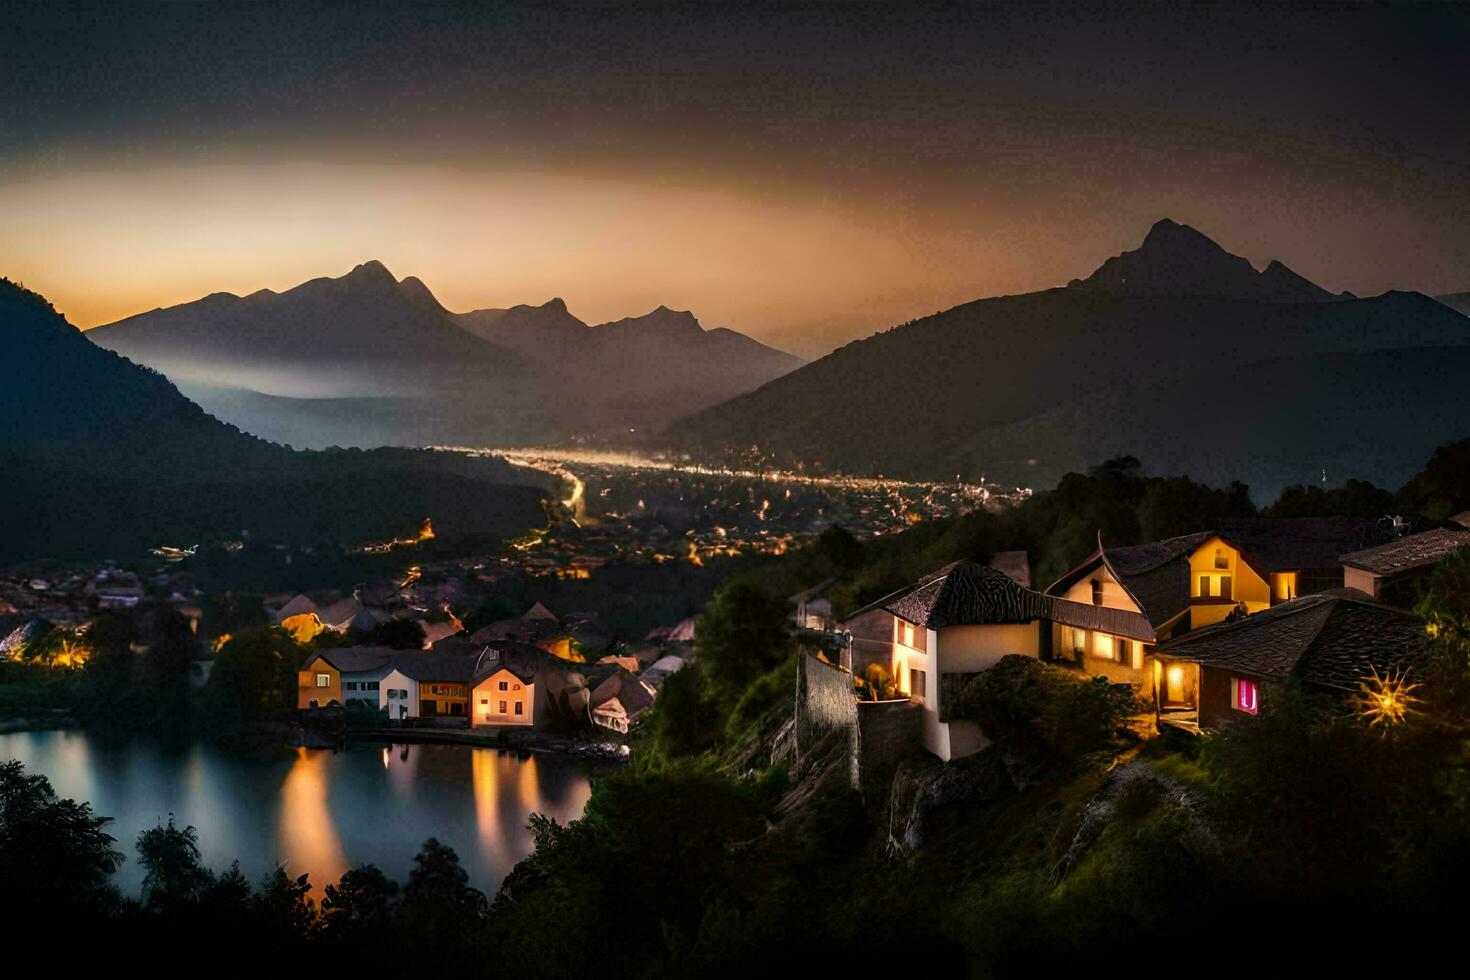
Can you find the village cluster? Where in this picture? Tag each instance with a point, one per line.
(1203, 626)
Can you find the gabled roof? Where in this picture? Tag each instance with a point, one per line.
(1156, 574)
(1409, 552)
(538, 611)
(1332, 639)
(356, 660)
(964, 593)
(426, 665)
(521, 659)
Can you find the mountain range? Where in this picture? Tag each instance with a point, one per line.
(367, 359)
(1177, 352)
(105, 457)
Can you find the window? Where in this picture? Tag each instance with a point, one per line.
(502, 707)
(504, 686)
(1079, 641)
(916, 684)
(349, 685)
(1097, 592)
(519, 708)
(484, 700)
(1283, 586)
(323, 680)
(1247, 698)
(369, 685)
(1221, 561)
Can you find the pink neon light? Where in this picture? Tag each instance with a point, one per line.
(1245, 696)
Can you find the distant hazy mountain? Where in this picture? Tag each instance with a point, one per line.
(640, 371)
(1177, 352)
(104, 457)
(367, 360)
(1456, 301)
(361, 360)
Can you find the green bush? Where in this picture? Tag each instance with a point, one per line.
(1027, 704)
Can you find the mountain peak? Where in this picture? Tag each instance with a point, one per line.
(1177, 260)
(555, 305)
(370, 271)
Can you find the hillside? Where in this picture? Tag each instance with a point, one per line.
(1456, 301)
(367, 359)
(1126, 357)
(104, 457)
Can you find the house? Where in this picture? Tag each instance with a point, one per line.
(512, 685)
(1389, 571)
(1332, 641)
(619, 699)
(950, 626)
(812, 610)
(1163, 589)
(318, 683)
(361, 671)
(442, 682)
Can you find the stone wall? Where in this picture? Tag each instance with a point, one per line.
(888, 732)
(825, 704)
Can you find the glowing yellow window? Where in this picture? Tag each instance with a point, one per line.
(1283, 585)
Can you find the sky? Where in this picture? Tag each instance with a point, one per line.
(804, 173)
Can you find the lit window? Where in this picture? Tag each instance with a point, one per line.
(1246, 697)
(323, 680)
(484, 700)
(1104, 647)
(1284, 586)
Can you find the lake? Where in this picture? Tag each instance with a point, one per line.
(318, 811)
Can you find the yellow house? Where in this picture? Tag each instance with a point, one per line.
(512, 685)
(318, 684)
(1197, 580)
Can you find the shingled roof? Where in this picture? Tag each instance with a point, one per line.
(1409, 552)
(521, 659)
(355, 660)
(1332, 639)
(1156, 574)
(966, 593)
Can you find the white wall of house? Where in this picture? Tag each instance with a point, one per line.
(1356, 578)
(357, 686)
(487, 698)
(970, 650)
(391, 685)
(1113, 594)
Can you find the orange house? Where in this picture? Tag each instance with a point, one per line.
(318, 684)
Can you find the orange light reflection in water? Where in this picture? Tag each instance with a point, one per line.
(307, 839)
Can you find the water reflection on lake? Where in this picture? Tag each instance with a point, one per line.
(318, 811)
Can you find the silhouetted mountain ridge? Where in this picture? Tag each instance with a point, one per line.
(104, 457)
(366, 359)
(947, 393)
